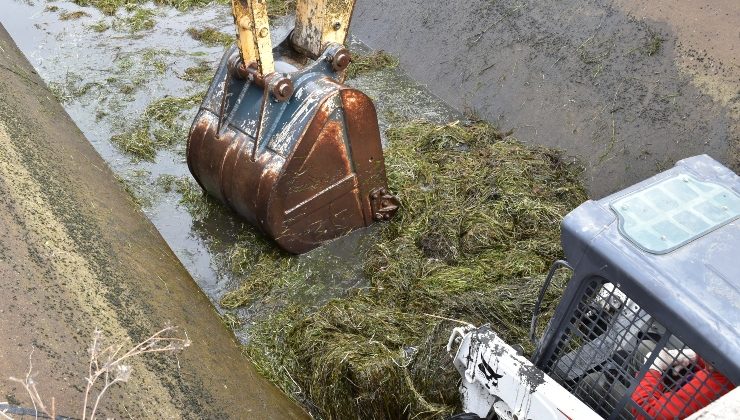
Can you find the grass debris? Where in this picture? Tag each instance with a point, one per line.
(277, 8)
(152, 58)
(71, 87)
(159, 126)
(136, 143)
(140, 20)
(211, 36)
(477, 231)
(100, 26)
(134, 70)
(201, 73)
(374, 61)
(109, 7)
(653, 44)
(134, 183)
(72, 15)
(200, 205)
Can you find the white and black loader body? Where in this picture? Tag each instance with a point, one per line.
(655, 287)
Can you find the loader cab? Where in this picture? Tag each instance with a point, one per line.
(655, 267)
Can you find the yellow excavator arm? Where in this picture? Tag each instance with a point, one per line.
(318, 23)
(253, 34)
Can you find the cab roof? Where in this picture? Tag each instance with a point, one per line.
(672, 243)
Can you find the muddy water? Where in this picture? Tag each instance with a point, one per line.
(707, 39)
(107, 79)
(628, 86)
(71, 55)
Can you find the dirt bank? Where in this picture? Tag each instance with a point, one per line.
(629, 86)
(77, 254)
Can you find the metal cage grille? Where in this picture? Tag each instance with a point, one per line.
(622, 363)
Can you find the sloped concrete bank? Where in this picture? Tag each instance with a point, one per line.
(628, 86)
(77, 254)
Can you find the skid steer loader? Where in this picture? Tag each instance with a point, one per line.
(648, 326)
(281, 140)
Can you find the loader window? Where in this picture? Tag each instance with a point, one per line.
(674, 211)
(608, 353)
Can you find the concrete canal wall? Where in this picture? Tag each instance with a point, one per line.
(77, 254)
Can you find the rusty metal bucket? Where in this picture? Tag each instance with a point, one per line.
(296, 153)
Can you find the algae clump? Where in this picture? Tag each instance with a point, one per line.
(478, 228)
(72, 15)
(109, 7)
(100, 26)
(158, 127)
(211, 36)
(201, 73)
(141, 19)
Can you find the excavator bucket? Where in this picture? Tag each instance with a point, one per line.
(295, 151)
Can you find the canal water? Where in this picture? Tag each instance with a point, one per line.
(106, 71)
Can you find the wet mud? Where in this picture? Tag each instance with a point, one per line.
(627, 86)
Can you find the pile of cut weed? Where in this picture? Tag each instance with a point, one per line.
(71, 88)
(479, 226)
(374, 61)
(200, 205)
